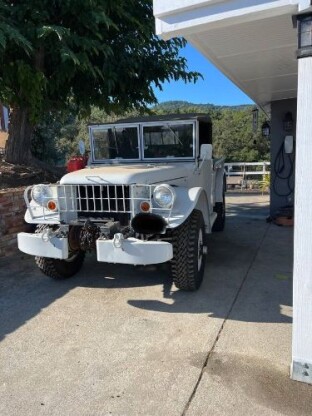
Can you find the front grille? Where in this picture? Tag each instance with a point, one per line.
(118, 202)
(103, 198)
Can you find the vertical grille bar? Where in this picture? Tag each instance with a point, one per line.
(116, 199)
(72, 197)
(64, 196)
(93, 195)
(132, 190)
(108, 199)
(100, 196)
(123, 198)
(87, 199)
(79, 199)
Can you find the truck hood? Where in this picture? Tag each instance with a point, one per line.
(128, 174)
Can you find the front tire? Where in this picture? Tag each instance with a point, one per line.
(60, 269)
(189, 257)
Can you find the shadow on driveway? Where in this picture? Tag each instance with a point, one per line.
(251, 258)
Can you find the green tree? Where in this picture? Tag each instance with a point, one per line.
(233, 137)
(83, 52)
(56, 137)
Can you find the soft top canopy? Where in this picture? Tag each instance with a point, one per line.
(165, 117)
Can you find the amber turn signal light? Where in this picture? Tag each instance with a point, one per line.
(51, 205)
(145, 206)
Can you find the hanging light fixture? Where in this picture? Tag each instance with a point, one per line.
(266, 129)
(255, 115)
(288, 122)
(304, 35)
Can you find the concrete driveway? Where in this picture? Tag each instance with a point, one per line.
(120, 340)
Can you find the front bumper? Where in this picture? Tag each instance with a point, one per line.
(33, 244)
(132, 251)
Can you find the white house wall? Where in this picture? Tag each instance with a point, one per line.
(302, 294)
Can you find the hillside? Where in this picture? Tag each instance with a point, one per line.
(188, 107)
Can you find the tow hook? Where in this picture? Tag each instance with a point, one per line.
(47, 235)
(117, 241)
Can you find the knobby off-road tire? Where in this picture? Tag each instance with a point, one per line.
(60, 269)
(219, 223)
(188, 263)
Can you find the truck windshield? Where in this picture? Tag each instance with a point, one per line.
(115, 143)
(169, 140)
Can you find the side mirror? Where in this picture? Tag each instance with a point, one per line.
(205, 151)
(82, 147)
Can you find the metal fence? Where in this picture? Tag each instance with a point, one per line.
(246, 173)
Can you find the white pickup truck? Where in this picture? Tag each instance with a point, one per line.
(151, 193)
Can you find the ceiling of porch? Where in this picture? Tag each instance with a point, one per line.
(258, 56)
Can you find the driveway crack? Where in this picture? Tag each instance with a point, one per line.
(187, 406)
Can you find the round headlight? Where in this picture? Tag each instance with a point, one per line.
(164, 196)
(41, 194)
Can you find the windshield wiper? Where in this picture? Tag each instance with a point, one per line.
(175, 134)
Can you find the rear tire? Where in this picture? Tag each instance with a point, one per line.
(219, 223)
(189, 257)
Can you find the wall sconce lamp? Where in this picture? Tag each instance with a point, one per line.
(304, 35)
(288, 122)
(266, 129)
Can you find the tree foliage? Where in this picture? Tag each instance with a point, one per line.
(233, 137)
(88, 52)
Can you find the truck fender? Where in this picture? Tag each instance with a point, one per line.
(187, 200)
(220, 185)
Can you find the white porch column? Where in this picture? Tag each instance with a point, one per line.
(302, 296)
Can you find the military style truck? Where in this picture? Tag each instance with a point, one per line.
(151, 193)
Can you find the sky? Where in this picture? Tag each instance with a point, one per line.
(214, 89)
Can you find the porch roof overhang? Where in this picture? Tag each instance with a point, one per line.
(253, 42)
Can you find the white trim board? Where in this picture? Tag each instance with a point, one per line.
(220, 15)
